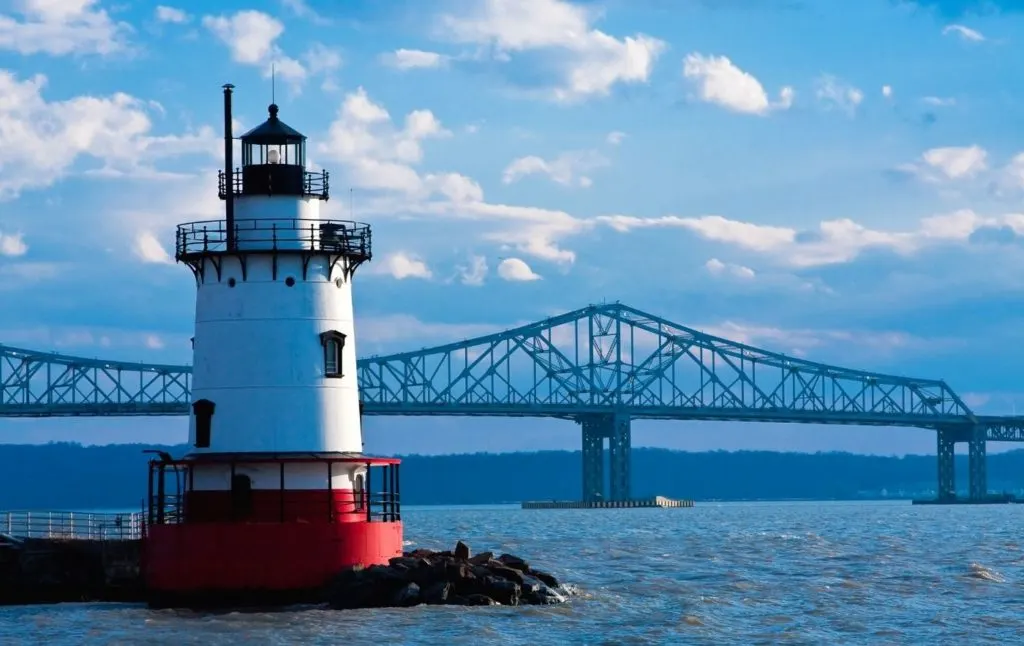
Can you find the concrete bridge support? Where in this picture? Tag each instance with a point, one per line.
(947, 438)
(616, 429)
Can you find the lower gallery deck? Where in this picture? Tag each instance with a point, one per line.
(274, 540)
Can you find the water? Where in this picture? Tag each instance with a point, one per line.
(801, 573)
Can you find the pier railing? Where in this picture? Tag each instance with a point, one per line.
(71, 525)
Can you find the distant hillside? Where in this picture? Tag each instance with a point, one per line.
(71, 476)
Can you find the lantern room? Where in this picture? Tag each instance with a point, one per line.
(273, 142)
(274, 163)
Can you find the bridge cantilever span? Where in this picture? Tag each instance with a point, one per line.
(42, 384)
(601, 366)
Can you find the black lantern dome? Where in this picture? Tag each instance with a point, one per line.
(274, 163)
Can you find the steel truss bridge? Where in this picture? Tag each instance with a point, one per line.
(601, 367)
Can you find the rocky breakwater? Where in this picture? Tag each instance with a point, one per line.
(445, 578)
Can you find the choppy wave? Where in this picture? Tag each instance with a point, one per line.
(718, 573)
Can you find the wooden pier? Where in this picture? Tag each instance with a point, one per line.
(640, 503)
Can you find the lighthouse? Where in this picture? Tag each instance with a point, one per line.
(274, 495)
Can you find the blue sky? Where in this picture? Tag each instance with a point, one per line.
(841, 180)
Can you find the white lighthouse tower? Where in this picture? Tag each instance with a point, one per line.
(275, 495)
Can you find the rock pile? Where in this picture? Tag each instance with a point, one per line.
(449, 577)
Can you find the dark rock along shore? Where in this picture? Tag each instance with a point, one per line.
(449, 577)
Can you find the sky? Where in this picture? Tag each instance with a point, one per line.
(837, 180)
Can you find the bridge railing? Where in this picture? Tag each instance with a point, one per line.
(72, 525)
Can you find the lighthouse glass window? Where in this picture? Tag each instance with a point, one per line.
(333, 343)
(259, 154)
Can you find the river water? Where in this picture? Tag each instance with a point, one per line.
(730, 573)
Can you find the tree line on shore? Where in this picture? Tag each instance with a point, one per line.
(72, 476)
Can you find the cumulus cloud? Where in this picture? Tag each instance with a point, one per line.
(42, 140)
(957, 162)
(171, 15)
(62, 28)
(567, 169)
(12, 244)
(251, 37)
(401, 265)
(408, 59)
(720, 81)
(148, 249)
(516, 270)
(716, 267)
(582, 61)
(615, 137)
(381, 158)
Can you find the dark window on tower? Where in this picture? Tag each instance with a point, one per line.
(333, 343)
(203, 410)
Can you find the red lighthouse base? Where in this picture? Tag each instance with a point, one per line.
(259, 546)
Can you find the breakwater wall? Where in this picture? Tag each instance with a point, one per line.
(45, 570)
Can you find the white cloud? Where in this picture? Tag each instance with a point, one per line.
(40, 141)
(587, 61)
(380, 159)
(302, 10)
(887, 91)
(12, 244)
(965, 33)
(615, 137)
(171, 15)
(62, 27)
(567, 169)
(939, 101)
(408, 59)
(401, 265)
(1014, 172)
(148, 249)
(154, 342)
(809, 342)
(473, 273)
(516, 270)
(716, 267)
(379, 156)
(719, 81)
(834, 93)
(832, 242)
(957, 162)
(250, 36)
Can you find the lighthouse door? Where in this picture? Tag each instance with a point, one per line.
(241, 496)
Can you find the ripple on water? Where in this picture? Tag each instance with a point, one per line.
(725, 573)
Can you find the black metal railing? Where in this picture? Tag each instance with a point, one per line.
(173, 499)
(274, 179)
(343, 237)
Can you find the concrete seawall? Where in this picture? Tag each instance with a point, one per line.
(657, 501)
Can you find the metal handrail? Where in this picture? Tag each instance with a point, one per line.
(344, 237)
(71, 525)
(314, 183)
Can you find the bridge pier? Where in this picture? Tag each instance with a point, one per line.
(978, 487)
(617, 429)
(946, 446)
(947, 438)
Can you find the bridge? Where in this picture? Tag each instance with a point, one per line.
(600, 366)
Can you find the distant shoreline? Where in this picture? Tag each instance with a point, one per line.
(72, 476)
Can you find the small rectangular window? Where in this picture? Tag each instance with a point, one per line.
(203, 411)
(334, 345)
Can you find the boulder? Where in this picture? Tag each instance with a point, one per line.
(445, 578)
